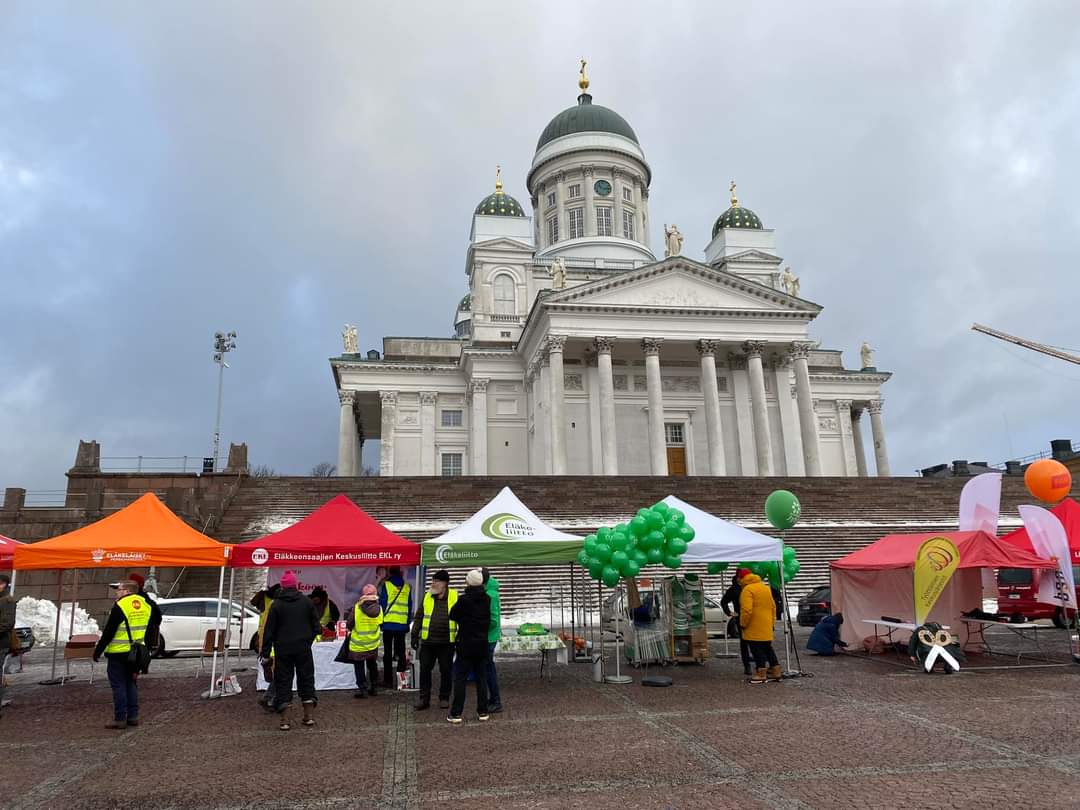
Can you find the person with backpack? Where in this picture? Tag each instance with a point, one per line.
(124, 633)
(365, 623)
(291, 624)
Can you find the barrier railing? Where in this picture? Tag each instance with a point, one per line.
(156, 464)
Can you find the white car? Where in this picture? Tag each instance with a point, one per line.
(184, 623)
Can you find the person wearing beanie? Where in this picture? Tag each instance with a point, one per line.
(365, 634)
(7, 626)
(290, 626)
(757, 617)
(153, 629)
(472, 613)
(491, 586)
(395, 598)
(434, 634)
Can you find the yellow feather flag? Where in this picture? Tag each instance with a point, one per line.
(934, 565)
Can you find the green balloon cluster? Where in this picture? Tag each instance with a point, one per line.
(771, 569)
(717, 568)
(657, 535)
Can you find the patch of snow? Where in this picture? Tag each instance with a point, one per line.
(268, 525)
(40, 615)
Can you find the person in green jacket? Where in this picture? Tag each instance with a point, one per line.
(491, 586)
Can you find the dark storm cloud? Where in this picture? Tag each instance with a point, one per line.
(281, 170)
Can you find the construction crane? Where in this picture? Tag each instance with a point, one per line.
(1027, 344)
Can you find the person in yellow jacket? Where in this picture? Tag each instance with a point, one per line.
(757, 616)
(262, 601)
(126, 625)
(365, 635)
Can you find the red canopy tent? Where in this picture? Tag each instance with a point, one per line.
(7, 552)
(1068, 512)
(878, 580)
(338, 533)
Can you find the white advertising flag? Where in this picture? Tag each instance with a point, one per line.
(980, 504)
(1048, 538)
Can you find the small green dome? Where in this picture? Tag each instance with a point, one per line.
(466, 304)
(585, 117)
(500, 204)
(737, 217)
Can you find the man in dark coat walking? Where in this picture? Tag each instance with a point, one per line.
(473, 616)
(7, 626)
(291, 626)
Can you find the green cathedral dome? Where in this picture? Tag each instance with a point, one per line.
(585, 117)
(737, 216)
(499, 204)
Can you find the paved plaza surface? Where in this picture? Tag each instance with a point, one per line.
(859, 733)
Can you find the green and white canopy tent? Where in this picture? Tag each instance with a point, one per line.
(504, 532)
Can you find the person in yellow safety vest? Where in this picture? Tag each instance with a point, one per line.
(434, 634)
(395, 597)
(262, 601)
(365, 634)
(127, 623)
(329, 615)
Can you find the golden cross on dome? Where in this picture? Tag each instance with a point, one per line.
(583, 80)
(498, 179)
(734, 199)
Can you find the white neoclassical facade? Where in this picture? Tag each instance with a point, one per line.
(578, 352)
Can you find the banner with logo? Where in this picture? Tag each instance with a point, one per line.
(343, 584)
(935, 563)
(1047, 534)
(504, 532)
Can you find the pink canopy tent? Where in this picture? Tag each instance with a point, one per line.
(878, 580)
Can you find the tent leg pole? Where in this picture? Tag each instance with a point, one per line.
(217, 626)
(573, 615)
(228, 624)
(56, 631)
(71, 617)
(783, 621)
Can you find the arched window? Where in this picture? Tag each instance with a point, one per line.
(505, 302)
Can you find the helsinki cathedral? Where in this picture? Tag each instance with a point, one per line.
(581, 348)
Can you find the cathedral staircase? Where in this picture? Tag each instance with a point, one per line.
(839, 515)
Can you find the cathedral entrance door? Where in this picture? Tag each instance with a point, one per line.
(675, 436)
(676, 461)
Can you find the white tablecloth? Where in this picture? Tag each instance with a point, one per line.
(329, 674)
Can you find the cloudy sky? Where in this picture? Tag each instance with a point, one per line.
(283, 168)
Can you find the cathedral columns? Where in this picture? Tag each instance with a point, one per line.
(617, 209)
(877, 427)
(758, 409)
(847, 439)
(388, 422)
(558, 427)
(807, 418)
(639, 219)
(609, 448)
(740, 385)
(590, 205)
(479, 426)
(427, 432)
(657, 443)
(560, 202)
(857, 437)
(707, 350)
(347, 438)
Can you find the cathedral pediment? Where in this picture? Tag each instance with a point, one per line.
(502, 243)
(680, 284)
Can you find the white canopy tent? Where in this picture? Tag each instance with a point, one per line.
(718, 540)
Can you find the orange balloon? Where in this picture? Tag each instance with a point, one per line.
(1048, 480)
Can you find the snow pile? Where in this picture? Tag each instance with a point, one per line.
(40, 615)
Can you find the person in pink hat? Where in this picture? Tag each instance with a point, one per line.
(365, 636)
(290, 626)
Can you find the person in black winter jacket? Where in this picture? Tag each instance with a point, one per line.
(291, 625)
(473, 616)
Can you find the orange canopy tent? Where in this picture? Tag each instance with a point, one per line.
(142, 534)
(146, 533)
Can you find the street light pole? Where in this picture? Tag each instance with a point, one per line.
(224, 342)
